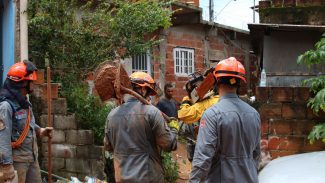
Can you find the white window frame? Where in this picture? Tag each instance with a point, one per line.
(183, 61)
(141, 63)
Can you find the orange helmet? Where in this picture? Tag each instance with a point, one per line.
(22, 71)
(230, 67)
(144, 80)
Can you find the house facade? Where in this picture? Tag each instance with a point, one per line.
(190, 45)
(287, 30)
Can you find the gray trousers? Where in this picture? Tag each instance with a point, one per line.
(28, 172)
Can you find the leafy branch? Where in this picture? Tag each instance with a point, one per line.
(317, 86)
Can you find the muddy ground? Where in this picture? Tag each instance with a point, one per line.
(180, 155)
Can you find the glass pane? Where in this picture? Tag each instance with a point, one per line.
(186, 62)
(145, 63)
(133, 63)
(177, 61)
(191, 63)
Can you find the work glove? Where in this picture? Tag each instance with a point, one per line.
(47, 131)
(8, 172)
(173, 124)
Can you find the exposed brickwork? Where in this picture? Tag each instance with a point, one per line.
(281, 94)
(286, 120)
(262, 94)
(198, 40)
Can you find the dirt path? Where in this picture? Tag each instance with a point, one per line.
(184, 165)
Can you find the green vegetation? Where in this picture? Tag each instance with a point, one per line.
(75, 37)
(317, 87)
(170, 167)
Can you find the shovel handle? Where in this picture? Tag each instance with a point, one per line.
(143, 100)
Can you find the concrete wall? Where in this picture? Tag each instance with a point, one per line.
(286, 120)
(280, 53)
(73, 149)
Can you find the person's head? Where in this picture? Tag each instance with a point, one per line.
(143, 84)
(228, 74)
(168, 90)
(21, 76)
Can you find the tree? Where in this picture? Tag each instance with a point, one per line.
(317, 86)
(77, 36)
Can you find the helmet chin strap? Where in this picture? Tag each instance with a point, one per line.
(28, 90)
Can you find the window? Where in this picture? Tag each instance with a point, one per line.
(141, 63)
(183, 61)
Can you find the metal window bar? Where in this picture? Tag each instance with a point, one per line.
(190, 63)
(177, 61)
(140, 63)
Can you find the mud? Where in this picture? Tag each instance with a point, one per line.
(180, 155)
(108, 79)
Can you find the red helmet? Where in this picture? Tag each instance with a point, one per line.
(144, 80)
(22, 71)
(230, 67)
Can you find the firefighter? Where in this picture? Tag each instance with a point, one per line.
(136, 133)
(228, 143)
(190, 113)
(18, 130)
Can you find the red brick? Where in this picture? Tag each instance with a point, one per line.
(301, 94)
(290, 143)
(302, 127)
(276, 154)
(170, 78)
(40, 77)
(170, 70)
(169, 55)
(262, 94)
(187, 36)
(270, 110)
(280, 127)
(321, 115)
(180, 84)
(294, 111)
(281, 94)
(182, 79)
(310, 114)
(156, 75)
(264, 126)
(316, 146)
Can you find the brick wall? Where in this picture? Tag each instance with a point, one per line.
(192, 2)
(197, 38)
(286, 120)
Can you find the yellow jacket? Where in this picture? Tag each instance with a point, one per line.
(192, 113)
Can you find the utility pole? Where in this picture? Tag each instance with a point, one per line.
(211, 6)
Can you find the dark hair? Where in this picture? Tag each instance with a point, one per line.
(168, 85)
(228, 80)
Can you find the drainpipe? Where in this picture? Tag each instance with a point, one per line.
(23, 30)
